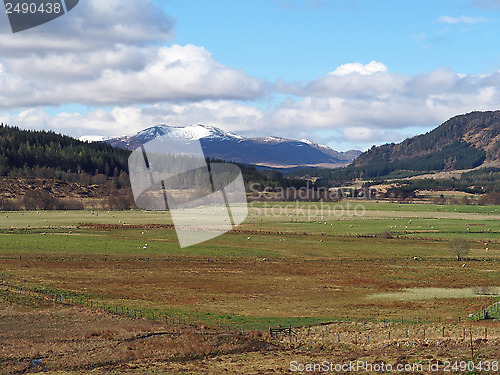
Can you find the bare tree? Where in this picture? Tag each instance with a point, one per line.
(460, 247)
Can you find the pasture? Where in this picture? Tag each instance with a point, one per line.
(298, 264)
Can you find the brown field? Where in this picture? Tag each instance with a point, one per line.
(76, 340)
(349, 292)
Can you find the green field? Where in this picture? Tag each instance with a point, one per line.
(288, 263)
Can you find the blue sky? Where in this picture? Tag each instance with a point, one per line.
(303, 40)
(349, 74)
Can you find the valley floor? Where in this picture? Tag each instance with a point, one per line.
(93, 292)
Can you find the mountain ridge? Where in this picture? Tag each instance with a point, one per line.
(262, 151)
(476, 130)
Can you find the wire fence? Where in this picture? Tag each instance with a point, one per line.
(346, 332)
(68, 298)
(401, 334)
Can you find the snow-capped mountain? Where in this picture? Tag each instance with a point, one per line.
(267, 151)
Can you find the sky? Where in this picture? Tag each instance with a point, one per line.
(349, 74)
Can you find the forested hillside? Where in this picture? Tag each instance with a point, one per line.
(50, 155)
(475, 132)
(462, 142)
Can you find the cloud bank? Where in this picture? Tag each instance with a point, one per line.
(117, 58)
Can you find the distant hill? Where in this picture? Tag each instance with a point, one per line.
(462, 142)
(268, 151)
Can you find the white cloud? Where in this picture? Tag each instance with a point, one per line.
(112, 53)
(462, 19)
(357, 68)
(93, 24)
(123, 76)
(85, 65)
(364, 134)
(177, 73)
(367, 108)
(373, 107)
(229, 115)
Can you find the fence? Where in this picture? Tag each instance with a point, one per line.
(389, 333)
(490, 312)
(65, 298)
(280, 331)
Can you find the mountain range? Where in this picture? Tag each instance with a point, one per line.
(273, 152)
(470, 141)
(463, 142)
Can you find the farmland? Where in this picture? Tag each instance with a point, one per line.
(289, 264)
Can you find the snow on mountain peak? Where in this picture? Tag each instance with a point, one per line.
(191, 132)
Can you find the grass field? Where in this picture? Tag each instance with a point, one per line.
(293, 264)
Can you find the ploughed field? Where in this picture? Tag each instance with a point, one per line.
(298, 264)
